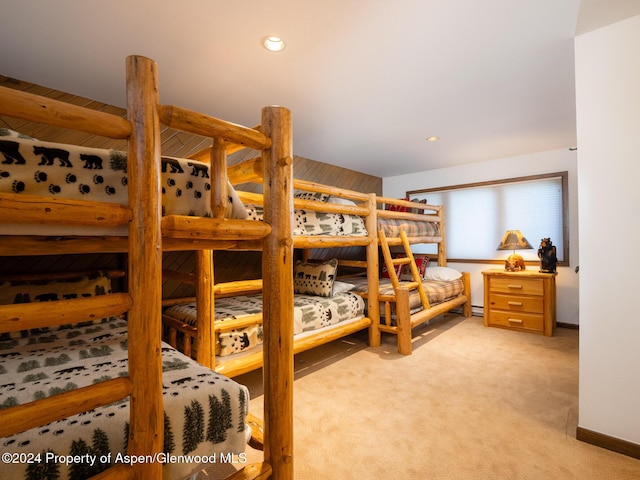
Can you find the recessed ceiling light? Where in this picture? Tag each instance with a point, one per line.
(433, 138)
(274, 44)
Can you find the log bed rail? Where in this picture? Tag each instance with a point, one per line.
(150, 234)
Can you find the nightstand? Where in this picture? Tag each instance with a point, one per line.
(524, 301)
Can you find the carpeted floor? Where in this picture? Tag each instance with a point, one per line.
(470, 403)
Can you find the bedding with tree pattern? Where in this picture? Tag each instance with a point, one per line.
(204, 411)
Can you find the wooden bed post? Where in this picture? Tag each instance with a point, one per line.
(145, 266)
(403, 321)
(442, 247)
(277, 277)
(373, 274)
(205, 312)
(219, 194)
(466, 307)
(205, 341)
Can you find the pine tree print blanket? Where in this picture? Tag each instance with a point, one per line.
(204, 411)
(310, 313)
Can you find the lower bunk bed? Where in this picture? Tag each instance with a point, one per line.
(205, 413)
(323, 314)
(402, 309)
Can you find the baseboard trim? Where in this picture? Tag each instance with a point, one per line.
(572, 326)
(610, 443)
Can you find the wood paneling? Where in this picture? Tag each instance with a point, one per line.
(228, 265)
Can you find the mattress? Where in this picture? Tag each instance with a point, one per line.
(57, 170)
(310, 222)
(437, 291)
(393, 226)
(310, 313)
(204, 411)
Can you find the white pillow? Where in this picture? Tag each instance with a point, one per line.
(341, 201)
(443, 274)
(235, 208)
(341, 287)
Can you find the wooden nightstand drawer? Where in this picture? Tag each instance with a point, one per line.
(518, 321)
(523, 301)
(516, 303)
(518, 286)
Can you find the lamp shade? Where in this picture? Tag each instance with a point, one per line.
(514, 240)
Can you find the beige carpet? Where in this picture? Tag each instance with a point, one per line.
(470, 403)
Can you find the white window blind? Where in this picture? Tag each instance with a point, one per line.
(478, 215)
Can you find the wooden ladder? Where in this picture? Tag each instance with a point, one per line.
(391, 263)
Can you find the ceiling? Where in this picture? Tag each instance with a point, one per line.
(366, 80)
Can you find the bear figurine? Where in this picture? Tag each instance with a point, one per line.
(547, 256)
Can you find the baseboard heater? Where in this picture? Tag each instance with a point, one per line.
(476, 311)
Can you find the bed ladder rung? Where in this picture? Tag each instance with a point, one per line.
(401, 261)
(408, 259)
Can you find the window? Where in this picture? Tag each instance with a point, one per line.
(477, 216)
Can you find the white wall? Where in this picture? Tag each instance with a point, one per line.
(608, 109)
(532, 164)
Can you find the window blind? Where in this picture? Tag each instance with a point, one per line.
(478, 215)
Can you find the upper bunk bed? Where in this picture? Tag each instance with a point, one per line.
(195, 197)
(138, 227)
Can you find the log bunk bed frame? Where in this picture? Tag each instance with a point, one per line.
(405, 320)
(149, 235)
(371, 208)
(380, 304)
(187, 338)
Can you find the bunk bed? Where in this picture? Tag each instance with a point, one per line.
(131, 319)
(394, 305)
(324, 308)
(408, 302)
(397, 305)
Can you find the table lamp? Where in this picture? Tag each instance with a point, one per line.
(514, 240)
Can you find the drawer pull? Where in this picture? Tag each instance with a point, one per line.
(515, 320)
(514, 304)
(511, 285)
